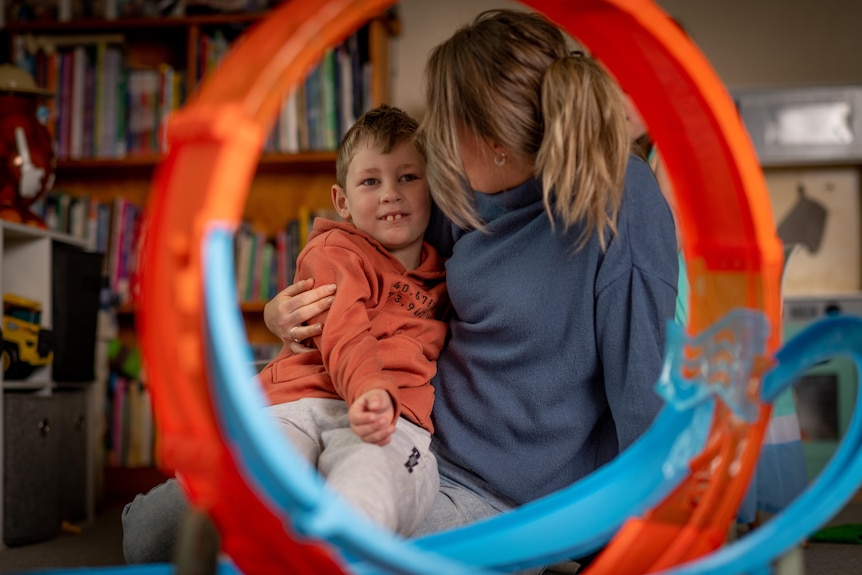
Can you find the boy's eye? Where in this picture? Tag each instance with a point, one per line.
(369, 181)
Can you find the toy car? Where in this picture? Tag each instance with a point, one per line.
(26, 344)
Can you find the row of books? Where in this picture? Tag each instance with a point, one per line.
(66, 10)
(103, 107)
(264, 264)
(317, 113)
(130, 430)
(111, 227)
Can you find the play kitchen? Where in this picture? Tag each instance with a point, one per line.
(809, 142)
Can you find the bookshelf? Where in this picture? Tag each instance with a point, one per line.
(295, 171)
(287, 183)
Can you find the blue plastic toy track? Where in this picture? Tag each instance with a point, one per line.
(834, 486)
(549, 530)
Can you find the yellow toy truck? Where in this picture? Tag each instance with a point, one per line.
(26, 344)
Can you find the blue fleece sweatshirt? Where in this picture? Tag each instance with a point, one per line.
(553, 353)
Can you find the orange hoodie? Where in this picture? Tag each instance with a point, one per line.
(385, 328)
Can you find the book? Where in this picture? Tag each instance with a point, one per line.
(264, 268)
(115, 241)
(79, 209)
(78, 104)
(242, 258)
(165, 103)
(328, 102)
(100, 100)
(64, 98)
(345, 90)
(314, 109)
(289, 124)
(282, 266)
(90, 111)
(112, 119)
(142, 100)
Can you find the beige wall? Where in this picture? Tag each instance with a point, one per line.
(776, 42)
(749, 42)
(424, 24)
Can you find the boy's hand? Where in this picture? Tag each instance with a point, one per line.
(372, 417)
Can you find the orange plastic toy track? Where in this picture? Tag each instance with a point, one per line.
(733, 253)
(215, 143)
(732, 250)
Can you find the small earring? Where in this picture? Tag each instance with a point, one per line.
(500, 160)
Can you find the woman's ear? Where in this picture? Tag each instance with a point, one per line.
(500, 153)
(339, 202)
(497, 148)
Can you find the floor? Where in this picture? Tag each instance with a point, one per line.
(99, 544)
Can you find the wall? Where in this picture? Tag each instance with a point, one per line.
(425, 24)
(750, 43)
(776, 42)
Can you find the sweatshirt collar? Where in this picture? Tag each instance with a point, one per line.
(492, 206)
(430, 262)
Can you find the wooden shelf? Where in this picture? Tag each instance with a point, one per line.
(143, 166)
(303, 162)
(252, 312)
(78, 26)
(244, 307)
(820, 165)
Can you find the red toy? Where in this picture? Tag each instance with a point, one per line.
(27, 159)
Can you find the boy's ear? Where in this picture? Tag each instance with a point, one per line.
(339, 202)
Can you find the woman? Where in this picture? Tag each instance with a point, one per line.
(561, 277)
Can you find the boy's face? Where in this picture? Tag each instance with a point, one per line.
(387, 196)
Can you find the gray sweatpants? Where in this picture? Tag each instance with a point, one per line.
(394, 485)
(151, 522)
(372, 478)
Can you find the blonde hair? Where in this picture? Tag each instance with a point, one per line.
(509, 77)
(384, 127)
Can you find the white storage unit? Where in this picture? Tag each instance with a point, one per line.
(46, 431)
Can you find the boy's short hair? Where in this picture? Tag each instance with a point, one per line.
(384, 127)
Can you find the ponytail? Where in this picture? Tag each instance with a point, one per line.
(583, 154)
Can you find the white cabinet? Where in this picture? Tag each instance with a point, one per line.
(37, 419)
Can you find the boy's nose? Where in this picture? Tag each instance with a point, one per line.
(390, 194)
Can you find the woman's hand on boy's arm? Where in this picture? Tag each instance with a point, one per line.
(285, 314)
(372, 417)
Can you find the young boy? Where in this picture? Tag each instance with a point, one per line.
(358, 407)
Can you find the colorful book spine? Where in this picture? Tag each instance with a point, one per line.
(328, 102)
(78, 102)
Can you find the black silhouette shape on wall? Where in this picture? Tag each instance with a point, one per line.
(805, 223)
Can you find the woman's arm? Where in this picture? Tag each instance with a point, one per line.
(286, 313)
(636, 296)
